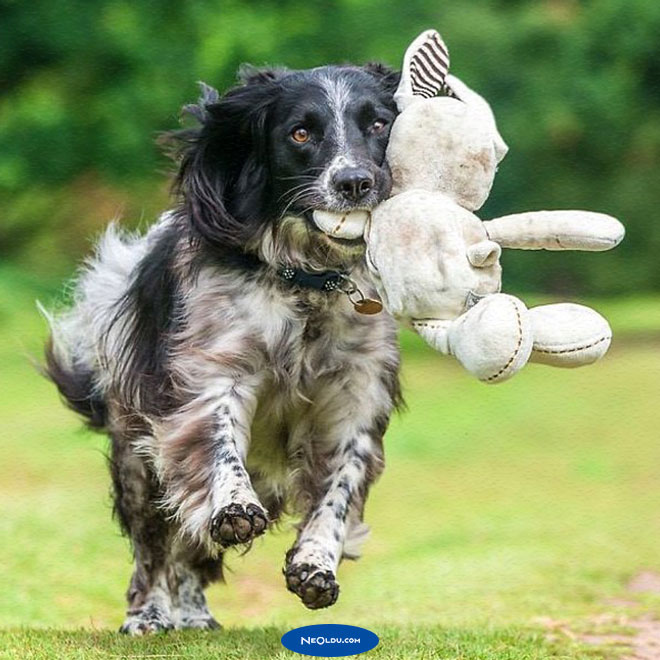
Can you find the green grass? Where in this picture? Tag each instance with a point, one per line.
(260, 643)
(499, 505)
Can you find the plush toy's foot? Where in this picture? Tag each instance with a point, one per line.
(492, 340)
(568, 335)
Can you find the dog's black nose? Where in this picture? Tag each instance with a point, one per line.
(353, 183)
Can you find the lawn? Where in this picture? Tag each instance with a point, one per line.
(508, 523)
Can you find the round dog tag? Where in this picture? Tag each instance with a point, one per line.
(368, 306)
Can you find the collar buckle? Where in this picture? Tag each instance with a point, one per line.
(326, 281)
(329, 281)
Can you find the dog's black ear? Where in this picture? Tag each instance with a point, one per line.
(223, 177)
(389, 78)
(249, 74)
(208, 96)
(175, 143)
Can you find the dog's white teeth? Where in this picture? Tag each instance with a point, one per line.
(341, 225)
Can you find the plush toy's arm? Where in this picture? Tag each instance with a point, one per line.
(556, 230)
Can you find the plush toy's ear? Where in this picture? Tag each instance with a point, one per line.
(425, 67)
(480, 105)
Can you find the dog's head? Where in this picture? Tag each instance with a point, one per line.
(278, 149)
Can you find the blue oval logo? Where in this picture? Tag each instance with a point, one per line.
(330, 640)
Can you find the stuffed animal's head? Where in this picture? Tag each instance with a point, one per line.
(447, 144)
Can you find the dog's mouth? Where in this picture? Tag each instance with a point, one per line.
(316, 240)
(346, 227)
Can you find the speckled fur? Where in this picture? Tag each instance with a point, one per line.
(281, 401)
(229, 396)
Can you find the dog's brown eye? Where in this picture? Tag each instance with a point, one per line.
(378, 126)
(300, 134)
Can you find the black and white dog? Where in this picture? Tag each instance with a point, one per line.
(219, 352)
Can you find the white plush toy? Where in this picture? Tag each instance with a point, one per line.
(436, 264)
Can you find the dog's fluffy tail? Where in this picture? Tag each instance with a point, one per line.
(76, 385)
(86, 346)
(77, 334)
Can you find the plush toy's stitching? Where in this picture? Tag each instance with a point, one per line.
(433, 326)
(341, 222)
(515, 352)
(573, 350)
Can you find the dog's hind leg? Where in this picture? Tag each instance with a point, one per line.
(136, 493)
(193, 574)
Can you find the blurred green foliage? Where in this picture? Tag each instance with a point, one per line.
(87, 85)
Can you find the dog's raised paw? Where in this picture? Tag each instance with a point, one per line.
(238, 524)
(316, 588)
(148, 621)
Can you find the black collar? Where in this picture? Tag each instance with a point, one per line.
(328, 280)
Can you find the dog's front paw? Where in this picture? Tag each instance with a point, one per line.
(236, 523)
(316, 588)
(149, 620)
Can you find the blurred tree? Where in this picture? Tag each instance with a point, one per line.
(86, 86)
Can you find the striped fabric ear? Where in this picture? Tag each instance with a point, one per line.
(427, 61)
